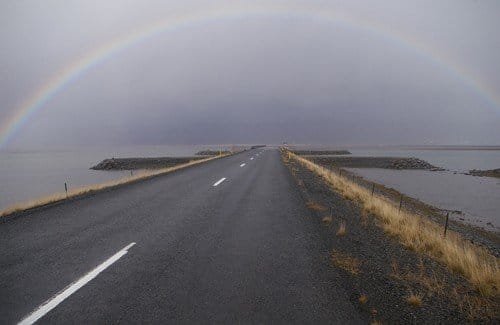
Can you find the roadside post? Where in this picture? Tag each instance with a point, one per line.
(66, 188)
(400, 202)
(446, 223)
(373, 188)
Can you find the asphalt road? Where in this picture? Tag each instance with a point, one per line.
(175, 249)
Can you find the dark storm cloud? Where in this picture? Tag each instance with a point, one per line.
(258, 79)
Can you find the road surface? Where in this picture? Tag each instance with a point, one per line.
(229, 241)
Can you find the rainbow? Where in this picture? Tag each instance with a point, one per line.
(80, 66)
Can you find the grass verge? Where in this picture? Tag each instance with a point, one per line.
(414, 299)
(327, 220)
(57, 197)
(346, 262)
(315, 206)
(420, 234)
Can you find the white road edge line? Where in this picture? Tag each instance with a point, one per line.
(251, 158)
(242, 165)
(220, 181)
(72, 288)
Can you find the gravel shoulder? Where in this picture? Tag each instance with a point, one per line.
(378, 268)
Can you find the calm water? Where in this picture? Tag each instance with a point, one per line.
(27, 175)
(477, 197)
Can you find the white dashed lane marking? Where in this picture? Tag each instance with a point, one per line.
(219, 181)
(72, 288)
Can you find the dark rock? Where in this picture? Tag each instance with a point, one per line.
(321, 152)
(376, 162)
(212, 152)
(142, 163)
(488, 173)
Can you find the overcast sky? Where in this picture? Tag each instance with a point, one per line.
(256, 78)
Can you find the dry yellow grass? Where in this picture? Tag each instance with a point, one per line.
(315, 206)
(433, 284)
(474, 306)
(414, 299)
(56, 197)
(420, 234)
(342, 229)
(327, 219)
(346, 262)
(363, 299)
(363, 219)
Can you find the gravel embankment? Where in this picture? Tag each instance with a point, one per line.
(321, 152)
(487, 173)
(212, 152)
(388, 272)
(142, 163)
(375, 162)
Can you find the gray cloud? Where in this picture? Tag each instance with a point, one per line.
(254, 79)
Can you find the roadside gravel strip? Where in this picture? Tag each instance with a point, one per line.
(379, 272)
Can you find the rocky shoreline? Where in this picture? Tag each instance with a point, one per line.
(321, 152)
(142, 163)
(485, 173)
(488, 238)
(376, 162)
(212, 152)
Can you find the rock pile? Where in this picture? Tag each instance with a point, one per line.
(141, 163)
(488, 173)
(321, 152)
(212, 152)
(413, 163)
(374, 162)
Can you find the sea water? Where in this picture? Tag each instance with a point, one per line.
(478, 198)
(30, 174)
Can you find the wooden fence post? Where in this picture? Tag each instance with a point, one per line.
(446, 223)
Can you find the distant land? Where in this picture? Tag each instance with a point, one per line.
(388, 146)
(451, 147)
